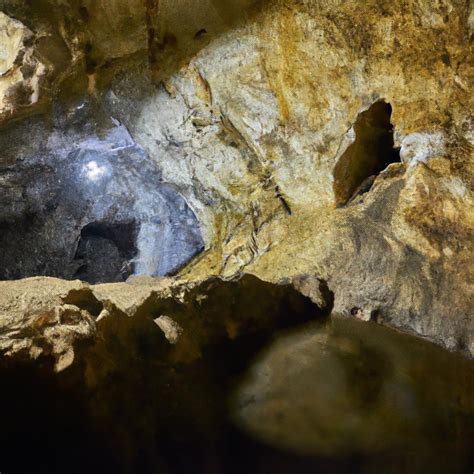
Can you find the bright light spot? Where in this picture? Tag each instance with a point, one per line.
(94, 171)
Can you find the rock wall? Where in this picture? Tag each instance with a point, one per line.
(264, 116)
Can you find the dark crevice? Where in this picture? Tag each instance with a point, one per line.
(376, 316)
(90, 63)
(199, 34)
(328, 296)
(84, 13)
(355, 311)
(372, 151)
(84, 299)
(283, 201)
(151, 13)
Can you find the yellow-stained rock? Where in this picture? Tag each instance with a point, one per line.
(254, 109)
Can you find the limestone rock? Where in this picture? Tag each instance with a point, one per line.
(42, 317)
(36, 321)
(400, 255)
(171, 329)
(21, 73)
(319, 140)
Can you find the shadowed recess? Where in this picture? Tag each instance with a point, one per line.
(371, 152)
(104, 251)
(256, 380)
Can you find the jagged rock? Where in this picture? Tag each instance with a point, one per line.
(50, 317)
(171, 329)
(21, 73)
(35, 320)
(262, 124)
(42, 317)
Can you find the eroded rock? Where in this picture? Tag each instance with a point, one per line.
(253, 122)
(36, 321)
(21, 72)
(87, 202)
(171, 329)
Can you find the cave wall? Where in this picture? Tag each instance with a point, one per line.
(249, 109)
(83, 169)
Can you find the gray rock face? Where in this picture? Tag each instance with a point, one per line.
(87, 202)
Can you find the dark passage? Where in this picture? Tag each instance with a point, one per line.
(105, 252)
(372, 151)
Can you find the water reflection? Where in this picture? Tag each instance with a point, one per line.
(351, 389)
(342, 397)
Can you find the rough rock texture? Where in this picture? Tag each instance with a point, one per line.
(275, 126)
(50, 317)
(83, 200)
(37, 320)
(21, 72)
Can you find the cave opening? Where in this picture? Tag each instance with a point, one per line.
(87, 202)
(105, 252)
(370, 153)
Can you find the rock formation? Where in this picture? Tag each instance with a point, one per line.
(322, 142)
(180, 180)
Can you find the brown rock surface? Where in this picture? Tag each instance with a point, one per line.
(36, 320)
(265, 116)
(21, 72)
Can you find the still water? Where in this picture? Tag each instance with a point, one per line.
(338, 396)
(352, 390)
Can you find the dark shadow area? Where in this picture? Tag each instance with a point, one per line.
(84, 299)
(134, 403)
(372, 151)
(18, 237)
(147, 406)
(105, 251)
(46, 426)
